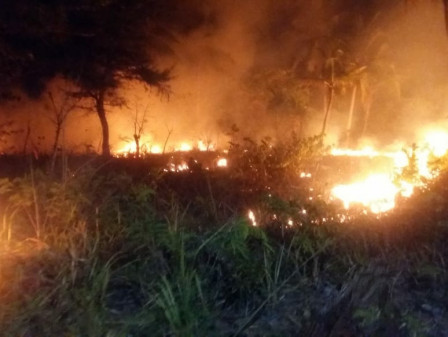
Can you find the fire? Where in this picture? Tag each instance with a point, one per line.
(199, 145)
(379, 190)
(184, 147)
(305, 175)
(437, 142)
(364, 152)
(177, 168)
(222, 162)
(156, 149)
(398, 173)
(251, 216)
(148, 146)
(131, 147)
(205, 146)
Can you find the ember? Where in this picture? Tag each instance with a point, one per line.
(222, 162)
(251, 216)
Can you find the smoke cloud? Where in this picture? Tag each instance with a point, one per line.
(245, 66)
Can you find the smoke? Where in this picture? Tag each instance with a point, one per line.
(416, 48)
(245, 66)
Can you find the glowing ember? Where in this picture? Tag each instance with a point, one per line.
(251, 216)
(177, 168)
(222, 162)
(182, 167)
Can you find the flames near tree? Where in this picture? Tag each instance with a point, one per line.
(199, 168)
(396, 174)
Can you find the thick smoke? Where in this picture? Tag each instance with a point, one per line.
(412, 96)
(246, 66)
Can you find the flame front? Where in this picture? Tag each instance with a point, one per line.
(379, 190)
(148, 146)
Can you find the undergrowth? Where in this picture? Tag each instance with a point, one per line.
(109, 254)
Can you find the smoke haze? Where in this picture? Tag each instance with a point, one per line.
(240, 68)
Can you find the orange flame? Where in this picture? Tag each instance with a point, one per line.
(376, 192)
(379, 191)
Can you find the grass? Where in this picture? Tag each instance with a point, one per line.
(104, 253)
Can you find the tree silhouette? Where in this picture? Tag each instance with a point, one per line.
(97, 45)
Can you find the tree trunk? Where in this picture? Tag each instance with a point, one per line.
(55, 145)
(327, 108)
(137, 145)
(99, 102)
(330, 99)
(57, 136)
(27, 137)
(367, 109)
(350, 116)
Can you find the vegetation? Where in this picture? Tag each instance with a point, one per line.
(102, 252)
(307, 72)
(102, 247)
(95, 45)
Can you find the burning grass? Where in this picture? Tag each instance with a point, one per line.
(129, 248)
(409, 168)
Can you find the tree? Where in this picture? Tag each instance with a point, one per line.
(61, 107)
(140, 119)
(96, 44)
(114, 49)
(282, 95)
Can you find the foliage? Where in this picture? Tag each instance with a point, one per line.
(103, 253)
(268, 167)
(95, 45)
(7, 131)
